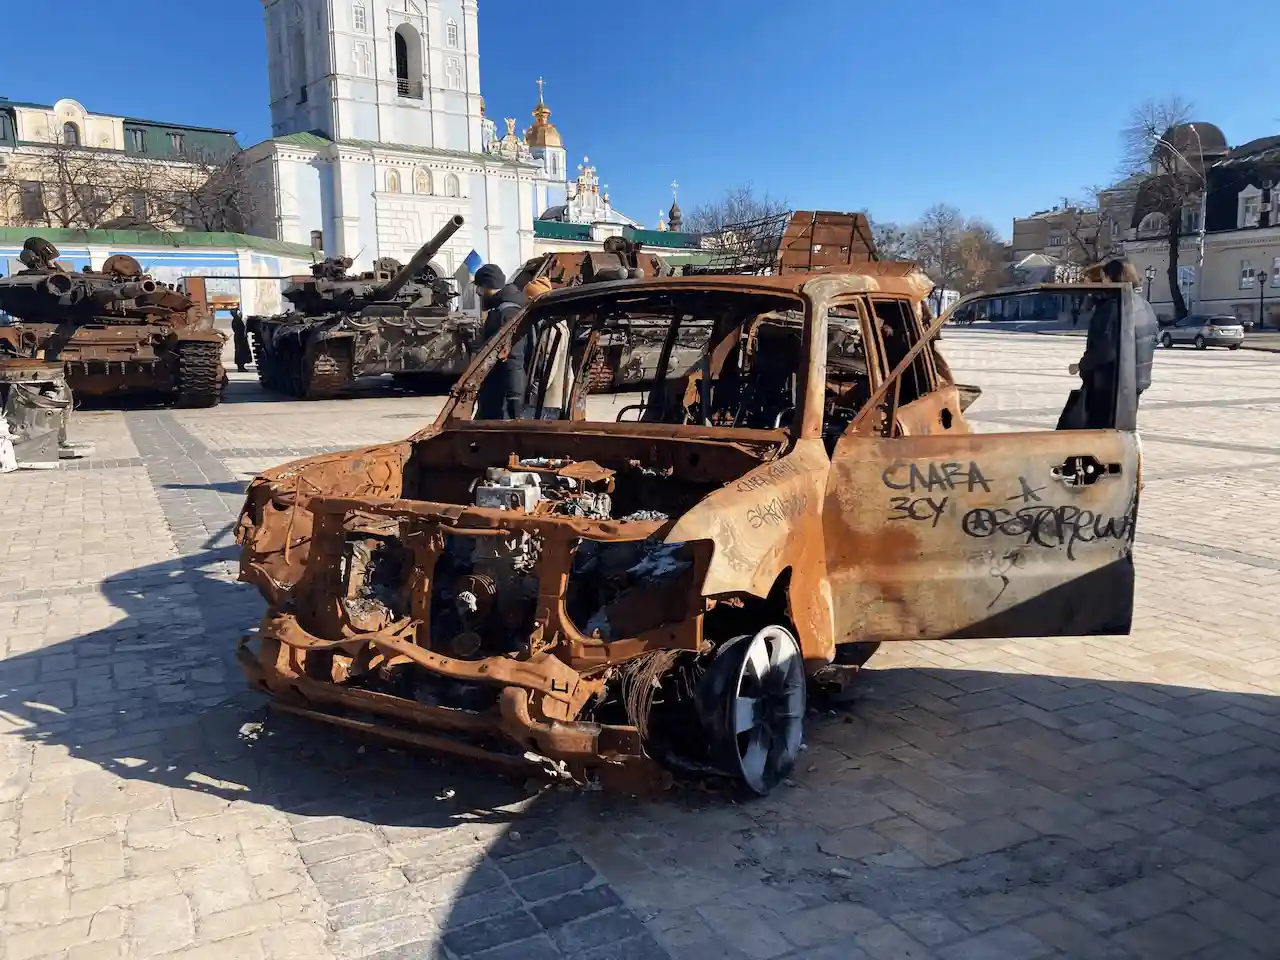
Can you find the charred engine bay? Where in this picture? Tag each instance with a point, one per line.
(484, 588)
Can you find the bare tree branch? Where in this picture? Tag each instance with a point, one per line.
(738, 205)
(891, 240)
(1169, 161)
(64, 185)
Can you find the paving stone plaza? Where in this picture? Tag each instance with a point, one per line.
(1084, 798)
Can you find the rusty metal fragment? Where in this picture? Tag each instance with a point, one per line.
(35, 407)
(117, 331)
(623, 586)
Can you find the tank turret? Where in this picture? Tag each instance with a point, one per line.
(330, 288)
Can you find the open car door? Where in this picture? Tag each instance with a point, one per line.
(953, 534)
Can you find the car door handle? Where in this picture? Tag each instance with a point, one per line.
(1084, 470)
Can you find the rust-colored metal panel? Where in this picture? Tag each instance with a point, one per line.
(982, 535)
(822, 241)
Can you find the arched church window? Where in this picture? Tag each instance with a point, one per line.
(452, 188)
(1153, 224)
(408, 62)
(422, 181)
(451, 32)
(393, 181)
(70, 134)
(359, 17)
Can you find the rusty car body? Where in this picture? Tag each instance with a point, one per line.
(397, 319)
(117, 331)
(631, 585)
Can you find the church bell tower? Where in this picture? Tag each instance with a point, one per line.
(387, 71)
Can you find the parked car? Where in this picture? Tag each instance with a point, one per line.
(1203, 332)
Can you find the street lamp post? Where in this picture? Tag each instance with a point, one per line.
(1151, 275)
(1261, 276)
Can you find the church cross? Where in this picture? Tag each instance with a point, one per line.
(540, 83)
(675, 190)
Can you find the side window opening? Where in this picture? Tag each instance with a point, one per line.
(848, 385)
(899, 331)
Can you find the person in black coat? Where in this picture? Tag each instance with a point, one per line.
(244, 355)
(502, 394)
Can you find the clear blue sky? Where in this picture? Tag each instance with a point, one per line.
(996, 106)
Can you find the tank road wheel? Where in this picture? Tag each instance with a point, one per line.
(752, 701)
(328, 374)
(199, 374)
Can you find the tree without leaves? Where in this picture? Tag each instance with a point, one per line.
(61, 185)
(1091, 224)
(984, 258)
(94, 189)
(892, 241)
(738, 205)
(934, 242)
(1171, 180)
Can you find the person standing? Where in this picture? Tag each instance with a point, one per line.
(502, 395)
(244, 354)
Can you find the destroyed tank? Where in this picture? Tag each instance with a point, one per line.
(626, 357)
(397, 319)
(117, 331)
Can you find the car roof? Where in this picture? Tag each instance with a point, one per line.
(898, 278)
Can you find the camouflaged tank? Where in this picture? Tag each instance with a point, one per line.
(397, 319)
(117, 331)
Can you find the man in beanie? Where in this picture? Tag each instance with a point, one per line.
(502, 394)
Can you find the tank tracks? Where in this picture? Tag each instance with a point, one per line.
(199, 382)
(284, 371)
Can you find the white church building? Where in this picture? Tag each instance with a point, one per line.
(379, 136)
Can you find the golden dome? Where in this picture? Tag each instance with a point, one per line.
(542, 133)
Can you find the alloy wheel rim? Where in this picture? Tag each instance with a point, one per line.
(766, 709)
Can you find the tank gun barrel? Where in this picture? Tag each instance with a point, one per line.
(105, 296)
(52, 285)
(420, 260)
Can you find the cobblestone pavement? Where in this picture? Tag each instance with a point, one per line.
(1107, 797)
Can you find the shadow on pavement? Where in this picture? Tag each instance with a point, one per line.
(1041, 813)
(234, 487)
(245, 388)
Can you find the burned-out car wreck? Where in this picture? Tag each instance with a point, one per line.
(633, 584)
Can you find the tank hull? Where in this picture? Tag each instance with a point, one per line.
(132, 361)
(320, 357)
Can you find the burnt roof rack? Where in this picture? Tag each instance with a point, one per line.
(799, 241)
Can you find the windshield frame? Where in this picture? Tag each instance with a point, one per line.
(464, 392)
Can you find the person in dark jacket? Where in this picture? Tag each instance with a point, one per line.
(502, 394)
(1097, 366)
(244, 355)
